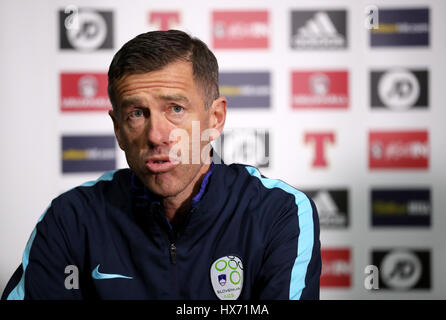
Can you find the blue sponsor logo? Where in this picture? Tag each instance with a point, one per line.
(401, 27)
(246, 89)
(401, 207)
(88, 153)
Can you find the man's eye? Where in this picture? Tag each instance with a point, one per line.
(177, 109)
(136, 114)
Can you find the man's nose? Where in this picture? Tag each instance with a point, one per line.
(158, 130)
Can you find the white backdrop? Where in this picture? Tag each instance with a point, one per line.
(32, 124)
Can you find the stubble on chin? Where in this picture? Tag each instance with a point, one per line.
(172, 183)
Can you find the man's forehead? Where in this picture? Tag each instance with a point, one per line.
(173, 76)
(140, 99)
(130, 86)
(182, 69)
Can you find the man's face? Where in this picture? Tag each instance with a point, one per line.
(150, 106)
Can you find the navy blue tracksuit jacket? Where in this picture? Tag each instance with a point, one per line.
(115, 233)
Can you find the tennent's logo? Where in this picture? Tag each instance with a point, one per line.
(164, 20)
(319, 140)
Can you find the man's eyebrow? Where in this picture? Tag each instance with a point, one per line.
(174, 97)
(131, 101)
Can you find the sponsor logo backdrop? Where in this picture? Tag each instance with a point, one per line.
(337, 99)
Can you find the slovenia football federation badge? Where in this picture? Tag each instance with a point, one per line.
(227, 277)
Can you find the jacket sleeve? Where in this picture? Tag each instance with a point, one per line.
(292, 263)
(43, 273)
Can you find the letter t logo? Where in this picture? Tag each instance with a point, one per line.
(164, 20)
(319, 139)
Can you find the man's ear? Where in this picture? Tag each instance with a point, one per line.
(217, 115)
(116, 128)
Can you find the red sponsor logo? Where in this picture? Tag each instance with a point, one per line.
(240, 29)
(164, 20)
(320, 89)
(398, 150)
(84, 92)
(336, 268)
(319, 140)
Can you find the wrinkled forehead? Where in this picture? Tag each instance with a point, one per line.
(178, 73)
(176, 80)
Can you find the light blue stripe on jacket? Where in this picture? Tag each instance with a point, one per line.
(18, 293)
(306, 234)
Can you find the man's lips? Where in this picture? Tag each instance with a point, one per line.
(160, 164)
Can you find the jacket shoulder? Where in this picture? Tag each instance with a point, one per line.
(275, 191)
(111, 186)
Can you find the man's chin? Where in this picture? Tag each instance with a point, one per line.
(162, 184)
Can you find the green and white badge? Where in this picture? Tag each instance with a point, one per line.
(227, 277)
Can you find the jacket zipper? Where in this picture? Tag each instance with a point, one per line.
(173, 253)
(173, 237)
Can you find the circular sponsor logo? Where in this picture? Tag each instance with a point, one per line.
(319, 84)
(399, 89)
(401, 269)
(227, 277)
(87, 86)
(91, 33)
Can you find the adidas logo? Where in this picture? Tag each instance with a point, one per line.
(319, 31)
(329, 212)
(325, 204)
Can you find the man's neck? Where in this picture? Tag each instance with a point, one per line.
(176, 207)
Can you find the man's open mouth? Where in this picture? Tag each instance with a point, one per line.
(160, 164)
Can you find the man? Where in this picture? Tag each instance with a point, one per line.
(179, 224)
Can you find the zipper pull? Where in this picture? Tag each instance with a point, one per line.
(173, 253)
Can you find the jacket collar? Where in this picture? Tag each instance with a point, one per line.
(144, 196)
